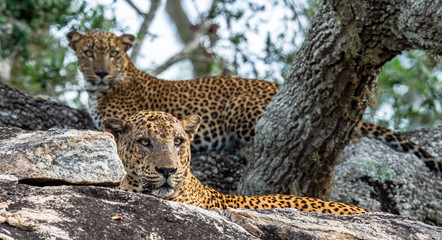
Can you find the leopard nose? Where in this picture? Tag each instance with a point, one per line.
(102, 74)
(166, 172)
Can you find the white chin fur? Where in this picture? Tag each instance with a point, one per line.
(98, 87)
(162, 192)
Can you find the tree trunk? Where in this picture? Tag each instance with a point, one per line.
(332, 78)
(36, 113)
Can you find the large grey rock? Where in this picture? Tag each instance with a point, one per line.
(293, 224)
(373, 176)
(85, 212)
(60, 156)
(38, 113)
(89, 157)
(220, 170)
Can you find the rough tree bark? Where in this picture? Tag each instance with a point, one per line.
(308, 123)
(35, 113)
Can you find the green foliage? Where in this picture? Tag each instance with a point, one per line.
(413, 93)
(36, 56)
(311, 9)
(247, 22)
(275, 53)
(19, 18)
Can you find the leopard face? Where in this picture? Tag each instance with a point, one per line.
(101, 56)
(155, 150)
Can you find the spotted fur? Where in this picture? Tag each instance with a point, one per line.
(230, 107)
(155, 150)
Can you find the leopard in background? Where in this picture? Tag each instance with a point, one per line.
(230, 107)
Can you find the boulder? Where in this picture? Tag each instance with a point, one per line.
(39, 112)
(89, 212)
(34, 206)
(60, 156)
(219, 169)
(373, 176)
(293, 224)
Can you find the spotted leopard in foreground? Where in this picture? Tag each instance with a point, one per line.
(230, 107)
(155, 150)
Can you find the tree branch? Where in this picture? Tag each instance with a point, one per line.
(135, 7)
(191, 46)
(181, 21)
(148, 17)
(186, 32)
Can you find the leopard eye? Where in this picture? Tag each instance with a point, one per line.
(113, 53)
(89, 53)
(178, 142)
(145, 142)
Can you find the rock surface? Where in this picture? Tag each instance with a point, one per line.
(60, 156)
(220, 170)
(85, 212)
(397, 183)
(38, 113)
(292, 224)
(373, 176)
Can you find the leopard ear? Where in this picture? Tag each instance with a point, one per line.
(128, 40)
(114, 126)
(73, 38)
(191, 124)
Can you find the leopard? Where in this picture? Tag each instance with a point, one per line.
(154, 148)
(230, 107)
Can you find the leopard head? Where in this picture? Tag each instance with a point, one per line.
(155, 150)
(101, 56)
